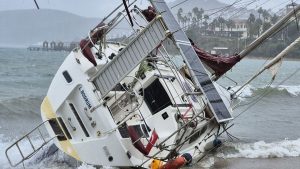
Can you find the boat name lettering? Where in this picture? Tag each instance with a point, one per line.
(87, 102)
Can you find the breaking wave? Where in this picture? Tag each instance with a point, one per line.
(45, 158)
(57, 160)
(20, 105)
(261, 149)
(250, 91)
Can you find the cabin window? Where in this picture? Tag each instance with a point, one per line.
(67, 76)
(156, 97)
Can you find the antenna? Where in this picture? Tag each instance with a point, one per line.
(36, 4)
(127, 11)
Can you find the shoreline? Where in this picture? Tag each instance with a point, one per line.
(247, 57)
(269, 58)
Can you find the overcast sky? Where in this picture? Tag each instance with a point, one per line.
(98, 8)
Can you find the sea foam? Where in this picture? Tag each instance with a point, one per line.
(261, 149)
(57, 160)
(293, 90)
(250, 91)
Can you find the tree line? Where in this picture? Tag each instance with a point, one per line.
(198, 17)
(197, 23)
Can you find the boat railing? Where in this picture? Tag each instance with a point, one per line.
(21, 145)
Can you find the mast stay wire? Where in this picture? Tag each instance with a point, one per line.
(36, 4)
(220, 10)
(251, 104)
(271, 8)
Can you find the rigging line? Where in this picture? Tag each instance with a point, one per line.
(212, 9)
(256, 97)
(270, 8)
(36, 4)
(267, 93)
(127, 11)
(260, 5)
(256, 7)
(228, 6)
(254, 102)
(183, 86)
(243, 8)
(296, 18)
(179, 4)
(287, 1)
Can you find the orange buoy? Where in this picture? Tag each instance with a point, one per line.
(175, 163)
(156, 164)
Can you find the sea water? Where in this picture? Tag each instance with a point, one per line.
(267, 124)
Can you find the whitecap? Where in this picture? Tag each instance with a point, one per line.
(245, 92)
(293, 90)
(261, 149)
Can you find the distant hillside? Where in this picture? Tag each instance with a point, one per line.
(25, 27)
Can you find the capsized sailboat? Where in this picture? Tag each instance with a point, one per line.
(146, 100)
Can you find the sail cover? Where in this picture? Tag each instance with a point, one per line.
(197, 70)
(219, 64)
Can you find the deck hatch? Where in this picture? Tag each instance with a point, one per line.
(156, 97)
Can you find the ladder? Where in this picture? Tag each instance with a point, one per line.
(19, 148)
(129, 58)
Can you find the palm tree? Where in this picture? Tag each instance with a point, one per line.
(250, 27)
(274, 19)
(251, 18)
(205, 17)
(194, 20)
(185, 20)
(265, 15)
(230, 24)
(222, 23)
(258, 23)
(201, 12)
(179, 15)
(190, 16)
(195, 10)
(266, 26)
(260, 11)
(205, 23)
(213, 25)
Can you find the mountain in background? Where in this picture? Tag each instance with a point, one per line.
(26, 27)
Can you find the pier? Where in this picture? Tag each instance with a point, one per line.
(53, 46)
